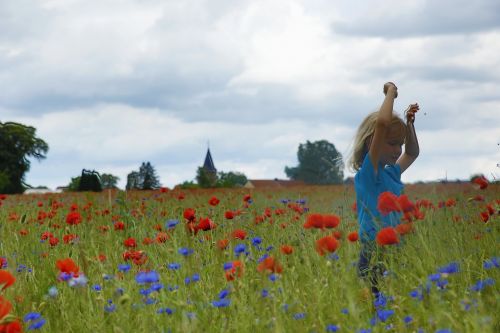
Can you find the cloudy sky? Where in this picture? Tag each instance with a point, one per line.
(111, 83)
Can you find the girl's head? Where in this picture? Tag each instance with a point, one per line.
(394, 139)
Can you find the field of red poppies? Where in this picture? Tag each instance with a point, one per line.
(239, 260)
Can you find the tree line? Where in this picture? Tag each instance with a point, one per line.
(319, 162)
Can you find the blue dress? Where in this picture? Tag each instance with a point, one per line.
(369, 186)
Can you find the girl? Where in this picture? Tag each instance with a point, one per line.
(379, 164)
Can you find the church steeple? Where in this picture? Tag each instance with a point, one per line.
(209, 163)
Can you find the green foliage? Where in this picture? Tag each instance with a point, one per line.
(231, 179)
(319, 163)
(90, 181)
(109, 181)
(188, 185)
(18, 143)
(74, 184)
(206, 179)
(144, 179)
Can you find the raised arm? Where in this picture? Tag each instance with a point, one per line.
(411, 143)
(384, 119)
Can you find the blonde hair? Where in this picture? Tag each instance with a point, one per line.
(366, 131)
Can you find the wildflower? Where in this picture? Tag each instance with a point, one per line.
(405, 204)
(171, 224)
(73, 218)
(480, 181)
(326, 244)
(451, 268)
(387, 203)
(229, 215)
(239, 234)
(387, 236)
(331, 221)
(256, 241)
(484, 216)
(67, 266)
(189, 214)
(233, 270)
(481, 284)
(147, 277)
(5, 307)
(408, 319)
(185, 251)
(353, 236)
(286, 249)
(271, 265)
(6, 279)
(239, 248)
(119, 225)
(213, 201)
(298, 316)
(222, 244)
(222, 303)
(493, 262)
(404, 228)
(53, 292)
(205, 224)
(223, 294)
(174, 266)
(314, 221)
(130, 242)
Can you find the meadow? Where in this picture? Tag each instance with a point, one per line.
(242, 260)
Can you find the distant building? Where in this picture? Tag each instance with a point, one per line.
(38, 191)
(209, 163)
(280, 183)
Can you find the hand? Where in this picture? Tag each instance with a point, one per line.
(390, 86)
(410, 113)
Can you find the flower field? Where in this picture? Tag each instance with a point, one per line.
(240, 260)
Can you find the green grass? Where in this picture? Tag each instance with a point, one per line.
(318, 290)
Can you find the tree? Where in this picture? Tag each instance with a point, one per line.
(74, 184)
(109, 181)
(145, 179)
(319, 163)
(231, 179)
(206, 179)
(18, 143)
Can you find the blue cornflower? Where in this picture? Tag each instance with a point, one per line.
(171, 223)
(262, 258)
(228, 265)
(172, 288)
(110, 307)
(37, 324)
(124, 267)
(408, 319)
(53, 292)
(415, 293)
(31, 316)
(264, 293)
(156, 287)
(195, 277)
(434, 277)
(187, 280)
(491, 263)
(285, 307)
(256, 241)
(147, 277)
(344, 311)
(332, 328)
(333, 256)
(441, 284)
(97, 287)
(269, 248)
(365, 330)
(174, 266)
(239, 248)
(185, 251)
(145, 292)
(383, 315)
(451, 268)
(481, 284)
(225, 302)
(223, 294)
(299, 315)
(165, 310)
(284, 201)
(380, 301)
(273, 277)
(444, 330)
(149, 301)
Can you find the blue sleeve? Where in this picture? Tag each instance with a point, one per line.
(367, 172)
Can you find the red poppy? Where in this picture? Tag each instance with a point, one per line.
(337, 235)
(239, 234)
(5, 307)
(162, 237)
(404, 228)
(270, 265)
(213, 201)
(485, 216)
(205, 224)
(236, 270)
(73, 218)
(67, 266)
(119, 225)
(229, 215)
(286, 249)
(480, 181)
(331, 221)
(3, 262)
(405, 204)
(23, 232)
(387, 236)
(450, 202)
(314, 221)
(53, 241)
(130, 242)
(69, 238)
(490, 208)
(148, 241)
(3, 197)
(11, 327)
(164, 189)
(424, 203)
(326, 244)
(247, 198)
(189, 214)
(222, 244)
(353, 236)
(6, 279)
(387, 203)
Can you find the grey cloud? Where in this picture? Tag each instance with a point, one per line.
(442, 17)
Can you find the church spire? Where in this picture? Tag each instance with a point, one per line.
(209, 163)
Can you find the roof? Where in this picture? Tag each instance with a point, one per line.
(209, 163)
(273, 183)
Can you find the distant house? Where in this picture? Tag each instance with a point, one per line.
(61, 189)
(280, 183)
(38, 191)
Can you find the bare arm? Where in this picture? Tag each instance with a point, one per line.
(383, 123)
(411, 143)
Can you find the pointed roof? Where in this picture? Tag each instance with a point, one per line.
(209, 163)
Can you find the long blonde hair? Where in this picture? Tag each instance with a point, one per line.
(366, 131)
